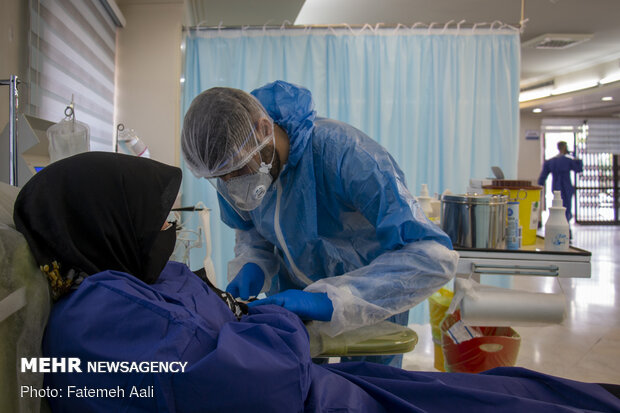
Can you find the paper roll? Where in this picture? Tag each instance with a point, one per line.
(491, 306)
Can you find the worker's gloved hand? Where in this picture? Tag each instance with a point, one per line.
(308, 306)
(247, 283)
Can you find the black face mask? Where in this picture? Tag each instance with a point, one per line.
(160, 253)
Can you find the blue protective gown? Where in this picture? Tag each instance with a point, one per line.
(341, 219)
(258, 364)
(559, 167)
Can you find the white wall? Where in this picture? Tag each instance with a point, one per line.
(148, 71)
(530, 152)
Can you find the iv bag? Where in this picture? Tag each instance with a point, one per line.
(66, 138)
(129, 143)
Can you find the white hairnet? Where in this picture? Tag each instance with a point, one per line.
(219, 131)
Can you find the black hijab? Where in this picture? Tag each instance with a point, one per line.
(96, 211)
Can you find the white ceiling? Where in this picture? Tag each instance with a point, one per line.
(600, 18)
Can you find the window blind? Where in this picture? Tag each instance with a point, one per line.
(561, 125)
(72, 55)
(603, 136)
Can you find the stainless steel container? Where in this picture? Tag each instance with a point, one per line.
(475, 221)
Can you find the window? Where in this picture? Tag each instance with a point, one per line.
(72, 56)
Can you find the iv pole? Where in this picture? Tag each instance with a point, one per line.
(13, 106)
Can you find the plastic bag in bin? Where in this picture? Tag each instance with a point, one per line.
(438, 304)
(486, 348)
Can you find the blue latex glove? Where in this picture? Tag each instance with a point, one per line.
(248, 282)
(308, 306)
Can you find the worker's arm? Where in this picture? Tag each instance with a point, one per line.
(546, 170)
(394, 282)
(415, 258)
(250, 246)
(576, 165)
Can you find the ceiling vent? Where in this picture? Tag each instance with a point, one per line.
(556, 41)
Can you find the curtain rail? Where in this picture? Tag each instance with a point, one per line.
(451, 25)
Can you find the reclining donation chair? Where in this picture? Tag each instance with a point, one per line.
(25, 304)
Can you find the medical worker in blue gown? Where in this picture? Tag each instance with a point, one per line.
(560, 167)
(96, 224)
(325, 224)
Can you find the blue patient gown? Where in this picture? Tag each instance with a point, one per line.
(258, 364)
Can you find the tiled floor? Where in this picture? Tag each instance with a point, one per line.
(586, 346)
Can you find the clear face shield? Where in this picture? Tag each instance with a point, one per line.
(245, 187)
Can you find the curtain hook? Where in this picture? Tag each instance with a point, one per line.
(478, 24)
(284, 24)
(458, 26)
(446, 26)
(366, 26)
(200, 24)
(416, 24)
(398, 26)
(431, 27)
(493, 24)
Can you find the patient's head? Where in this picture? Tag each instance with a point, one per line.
(98, 211)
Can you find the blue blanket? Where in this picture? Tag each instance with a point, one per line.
(260, 363)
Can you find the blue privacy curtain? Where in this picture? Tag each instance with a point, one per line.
(443, 102)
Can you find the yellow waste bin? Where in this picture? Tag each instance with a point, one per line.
(438, 304)
(528, 196)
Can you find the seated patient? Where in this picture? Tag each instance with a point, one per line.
(95, 223)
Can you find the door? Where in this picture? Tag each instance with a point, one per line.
(596, 193)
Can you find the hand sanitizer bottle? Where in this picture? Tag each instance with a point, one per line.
(556, 228)
(425, 201)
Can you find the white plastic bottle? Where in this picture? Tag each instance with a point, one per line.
(512, 227)
(425, 202)
(556, 228)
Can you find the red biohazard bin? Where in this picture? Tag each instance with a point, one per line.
(498, 347)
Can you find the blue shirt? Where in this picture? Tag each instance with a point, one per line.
(559, 167)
